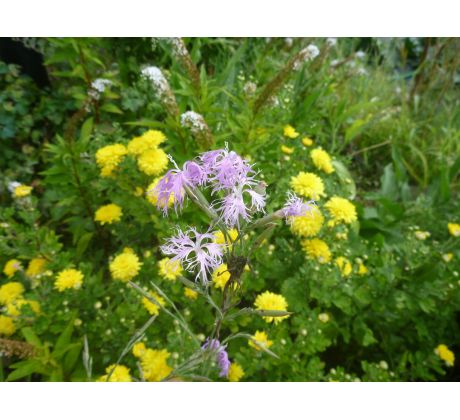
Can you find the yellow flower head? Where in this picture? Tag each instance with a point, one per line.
(445, 354)
(120, 374)
(221, 276)
(307, 141)
(341, 210)
(139, 349)
(22, 191)
(151, 139)
(68, 279)
(448, 257)
(362, 269)
(308, 185)
(125, 266)
(219, 237)
(454, 229)
(152, 197)
(421, 235)
(289, 131)
(235, 372)
(344, 266)
(11, 291)
(108, 214)
(269, 301)
(262, 338)
(287, 150)
(308, 225)
(15, 308)
(36, 267)
(7, 326)
(322, 160)
(153, 162)
(323, 317)
(169, 270)
(109, 157)
(153, 308)
(190, 293)
(11, 267)
(154, 364)
(316, 249)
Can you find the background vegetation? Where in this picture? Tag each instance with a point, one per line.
(386, 110)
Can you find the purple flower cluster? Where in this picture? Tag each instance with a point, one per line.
(223, 171)
(237, 196)
(222, 355)
(196, 252)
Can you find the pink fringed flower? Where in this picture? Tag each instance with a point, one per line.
(221, 355)
(174, 183)
(196, 251)
(226, 169)
(294, 207)
(233, 207)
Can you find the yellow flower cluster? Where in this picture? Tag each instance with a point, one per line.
(153, 308)
(190, 293)
(219, 237)
(308, 225)
(308, 185)
(341, 211)
(154, 363)
(15, 308)
(22, 191)
(269, 301)
(11, 291)
(317, 249)
(287, 150)
(221, 276)
(11, 267)
(262, 338)
(289, 132)
(169, 270)
(422, 235)
(109, 157)
(153, 162)
(454, 229)
(120, 374)
(235, 372)
(362, 269)
(445, 354)
(108, 214)
(11, 296)
(125, 266)
(344, 266)
(68, 279)
(7, 326)
(322, 160)
(323, 317)
(150, 158)
(307, 141)
(151, 139)
(36, 267)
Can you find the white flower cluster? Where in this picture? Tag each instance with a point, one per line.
(98, 86)
(178, 46)
(193, 120)
(249, 88)
(309, 53)
(155, 75)
(13, 185)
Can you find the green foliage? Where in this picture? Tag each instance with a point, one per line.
(391, 124)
